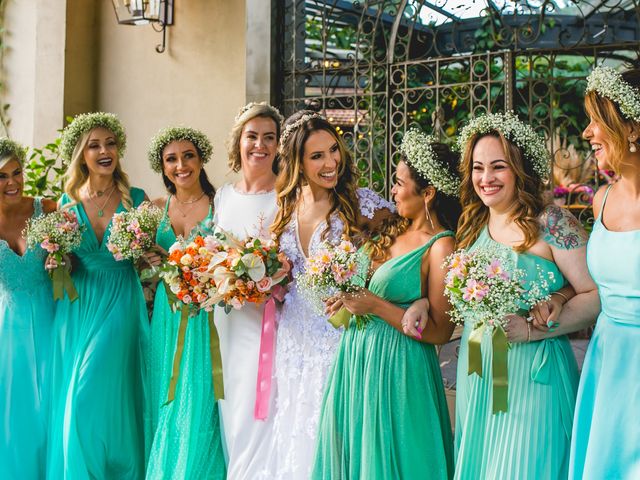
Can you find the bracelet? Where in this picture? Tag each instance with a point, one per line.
(561, 295)
(528, 332)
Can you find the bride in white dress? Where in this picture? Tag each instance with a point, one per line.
(246, 208)
(317, 200)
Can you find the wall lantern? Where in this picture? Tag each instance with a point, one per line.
(143, 12)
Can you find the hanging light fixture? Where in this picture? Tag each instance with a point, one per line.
(143, 12)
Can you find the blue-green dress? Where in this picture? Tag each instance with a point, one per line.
(531, 440)
(186, 438)
(384, 414)
(26, 316)
(606, 430)
(96, 426)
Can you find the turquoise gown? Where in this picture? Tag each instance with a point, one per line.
(26, 316)
(384, 413)
(96, 429)
(531, 440)
(187, 441)
(606, 430)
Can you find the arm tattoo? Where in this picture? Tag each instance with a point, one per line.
(562, 230)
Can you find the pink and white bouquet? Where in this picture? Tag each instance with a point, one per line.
(133, 232)
(59, 233)
(334, 269)
(484, 285)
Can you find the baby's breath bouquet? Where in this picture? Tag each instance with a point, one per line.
(58, 233)
(484, 285)
(334, 269)
(133, 232)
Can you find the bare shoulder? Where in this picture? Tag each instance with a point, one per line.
(160, 202)
(443, 246)
(598, 198)
(49, 205)
(560, 229)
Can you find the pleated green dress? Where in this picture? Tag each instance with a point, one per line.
(532, 439)
(96, 429)
(186, 438)
(26, 317)
(384, 413)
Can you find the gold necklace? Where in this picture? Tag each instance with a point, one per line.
(101, 209)
(189, 202)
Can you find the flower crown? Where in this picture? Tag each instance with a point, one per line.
(289, 129)
(514, 130)
(250, 105)
(11, 148)
(86, 122)
(607, 82)
(171, 134)
(418, 152)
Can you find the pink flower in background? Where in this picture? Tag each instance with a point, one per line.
(49, 246)
(495, 269)
(475, 291)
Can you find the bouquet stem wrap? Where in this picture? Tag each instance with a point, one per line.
(340, 319)
(499, 367)
(62, 282)
(265, 361)
(214, 351)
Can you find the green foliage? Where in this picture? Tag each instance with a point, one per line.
(43, 171)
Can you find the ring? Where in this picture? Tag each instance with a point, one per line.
(529, 319)
(417, 324)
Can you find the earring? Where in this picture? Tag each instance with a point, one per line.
(632, 145)
(429, 218)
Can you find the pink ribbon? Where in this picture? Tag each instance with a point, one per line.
(265, 361)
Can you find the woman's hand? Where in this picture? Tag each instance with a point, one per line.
(359, 303)
(415, 318)
(51, 263)
(517, 329)
(333, 305)
(155, 256)
(545, 314)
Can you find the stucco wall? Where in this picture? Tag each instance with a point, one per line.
(199, 81)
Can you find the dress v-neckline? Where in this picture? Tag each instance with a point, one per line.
(306, 256)
(107, 230)
(26, 249)
(197, 225)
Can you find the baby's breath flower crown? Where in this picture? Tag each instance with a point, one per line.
(608, 83)
(416, 147)
(86, 122)
(166, 136)
(11, 148)
(250, 105)
(289, 129)
(514, 130)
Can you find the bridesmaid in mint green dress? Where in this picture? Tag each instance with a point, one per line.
(384, 412)
(26, 315)
(97, 375)
(501, 196)
(185, 437)
(606, 432)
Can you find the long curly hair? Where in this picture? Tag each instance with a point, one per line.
(290, 179)
(529, 202)
(611, 120)
(78, 175)
(445, 207)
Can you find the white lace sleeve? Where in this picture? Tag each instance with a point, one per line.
(370, 202)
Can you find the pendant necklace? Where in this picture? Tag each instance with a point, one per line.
(188, 202)
(99, 194)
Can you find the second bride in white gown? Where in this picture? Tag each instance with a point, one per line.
(318, 201)
(242, 209)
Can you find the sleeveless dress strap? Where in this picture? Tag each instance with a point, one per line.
(604, 202)
(435, 238)
(37, 206)
(166, 205)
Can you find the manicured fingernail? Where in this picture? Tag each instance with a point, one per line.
(550, 323)
(419, 329)
(417, 337)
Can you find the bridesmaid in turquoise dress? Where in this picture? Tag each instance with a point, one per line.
(97, 375)
(26, 315)
(384, 412)
(503, 168)
(606, 436)
(185, 433)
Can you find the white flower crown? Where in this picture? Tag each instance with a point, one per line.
(609, 83)
(288, 130)
(418, 152)
(514, 130)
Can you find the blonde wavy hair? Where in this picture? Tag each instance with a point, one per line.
(78, 175)
(249, 112)
(290, 179)
(611, 120)
(528, 204)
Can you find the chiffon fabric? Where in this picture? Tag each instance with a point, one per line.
(98, 371)
(306, 346)
(384, 412)
(246, 439)
(531, 439)
(185, 434)
(26, 317)
(606, 432)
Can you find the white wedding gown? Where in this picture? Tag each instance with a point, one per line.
(247, 440)
(305, 346)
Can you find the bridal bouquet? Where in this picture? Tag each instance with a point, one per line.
(481, 285)
(334, 269)
(253, 271)
(133, 232)
(58, 233)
